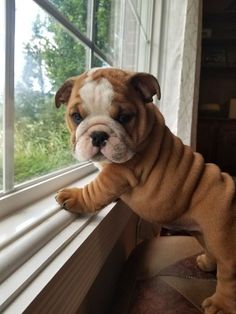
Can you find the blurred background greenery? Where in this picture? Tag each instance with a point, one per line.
(50, 56)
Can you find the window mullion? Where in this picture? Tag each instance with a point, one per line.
(92, 16)
(93, 29)
(8, 108)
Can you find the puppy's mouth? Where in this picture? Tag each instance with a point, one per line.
(101, 147)
(99, 157)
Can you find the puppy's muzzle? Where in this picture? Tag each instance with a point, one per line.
(99, 138)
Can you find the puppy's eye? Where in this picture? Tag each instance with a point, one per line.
(76, 117)
(124, 118)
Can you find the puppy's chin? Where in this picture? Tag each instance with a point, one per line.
(100, 158)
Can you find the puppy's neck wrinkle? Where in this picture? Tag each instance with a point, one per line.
(148, 152)
(156, 125)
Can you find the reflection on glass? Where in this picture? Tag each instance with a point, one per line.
(78, 12)
(45, 55)
(2, 53)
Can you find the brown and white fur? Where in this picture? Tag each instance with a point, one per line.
(114, 123)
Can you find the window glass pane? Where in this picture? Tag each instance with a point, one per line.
(45, 55)
(78, 12)
(104, 25)
(2, 66)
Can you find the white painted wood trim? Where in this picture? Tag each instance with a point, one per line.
(92, 246)
(37, 190)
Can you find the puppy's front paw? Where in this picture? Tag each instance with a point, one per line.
(69, 199)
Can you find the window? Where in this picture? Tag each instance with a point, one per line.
(52, 41)
(44, 43)
(42, 47)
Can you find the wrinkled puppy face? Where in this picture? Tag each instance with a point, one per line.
(106, 112)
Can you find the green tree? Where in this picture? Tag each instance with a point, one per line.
(65, 56)
(104, 32)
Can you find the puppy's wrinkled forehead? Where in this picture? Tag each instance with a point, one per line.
(96, 90)
(99, 88)
(96, 94)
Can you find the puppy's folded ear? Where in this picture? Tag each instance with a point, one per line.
(63, 94)
(146, 85)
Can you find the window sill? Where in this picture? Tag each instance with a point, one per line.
(33, 255)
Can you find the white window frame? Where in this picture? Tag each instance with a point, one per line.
(34, 232)
(8, 108)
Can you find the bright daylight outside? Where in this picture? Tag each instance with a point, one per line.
(46, 54)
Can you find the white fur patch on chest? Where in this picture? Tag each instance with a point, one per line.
(97, 95)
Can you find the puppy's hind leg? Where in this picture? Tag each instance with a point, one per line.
(205, 261)
(224, 299)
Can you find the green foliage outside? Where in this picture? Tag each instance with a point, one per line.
(41, 138)
(103, 26)
(41, 145)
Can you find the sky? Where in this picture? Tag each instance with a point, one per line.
(26, 11)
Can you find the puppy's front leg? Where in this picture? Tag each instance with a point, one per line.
(107, 187)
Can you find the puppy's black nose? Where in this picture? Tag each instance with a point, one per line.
(99, 138)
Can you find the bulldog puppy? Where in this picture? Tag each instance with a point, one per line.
(114, 123)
